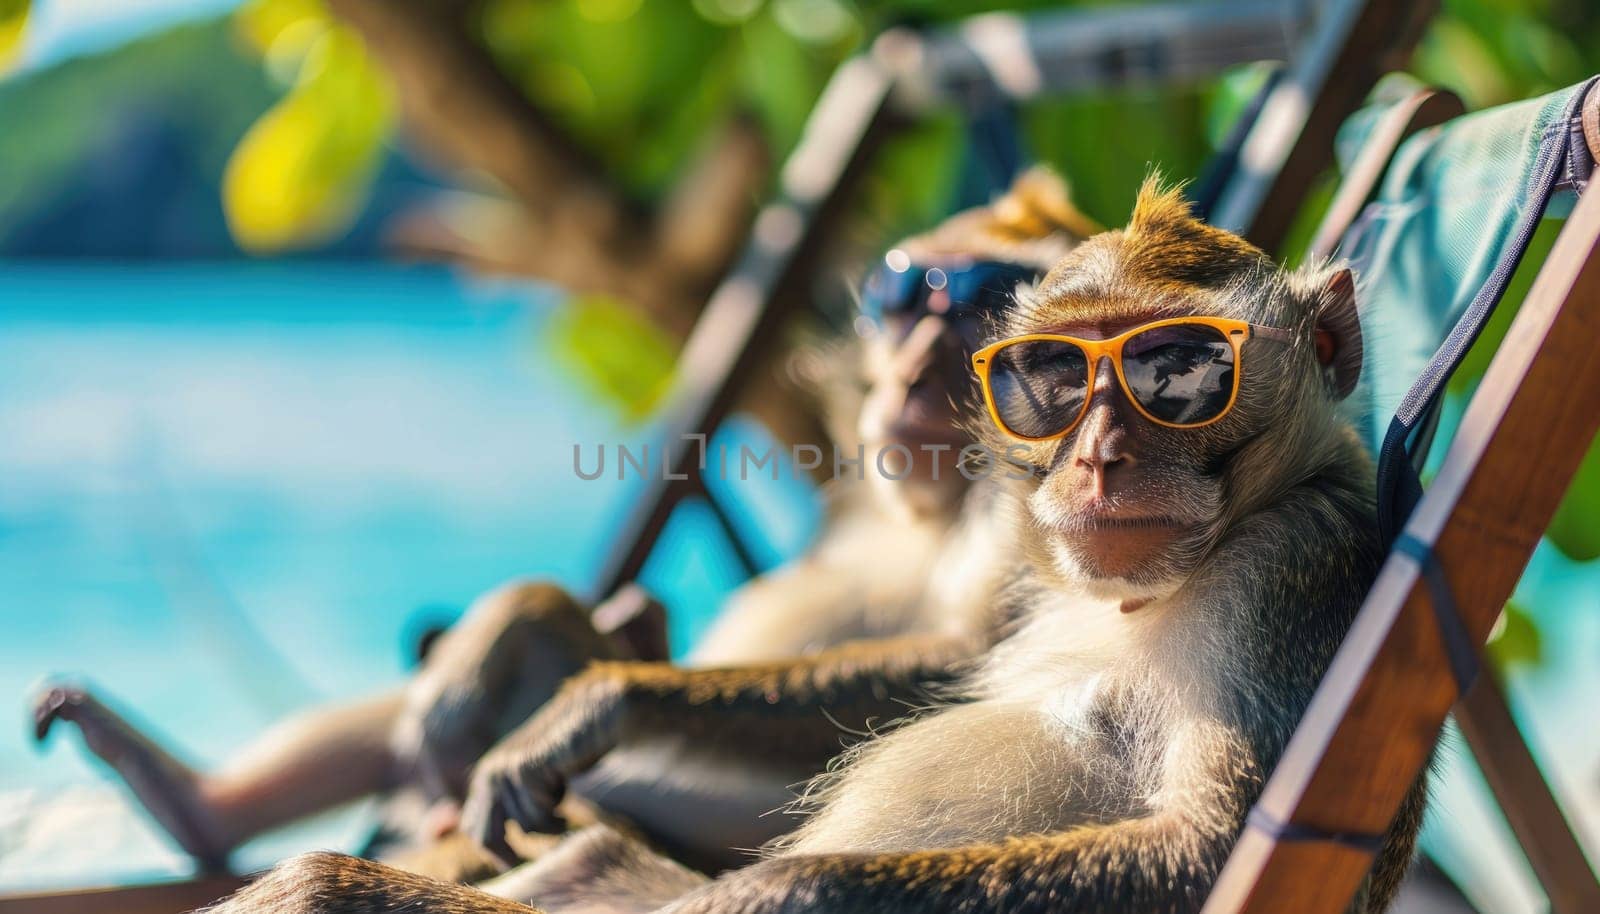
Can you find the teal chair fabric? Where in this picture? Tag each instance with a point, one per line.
(1434, 251)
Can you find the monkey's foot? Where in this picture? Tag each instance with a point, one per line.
(167, 788)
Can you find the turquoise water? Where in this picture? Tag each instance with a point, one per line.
(229, 491)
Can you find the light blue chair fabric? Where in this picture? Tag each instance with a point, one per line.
(1435, 250)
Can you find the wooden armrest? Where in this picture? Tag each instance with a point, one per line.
(153, 898)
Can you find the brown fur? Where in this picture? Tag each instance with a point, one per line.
(1164, 262)
(326, 882)
(779, 616)
(1035, 221)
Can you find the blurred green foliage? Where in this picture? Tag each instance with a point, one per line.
(73, 109)
(1496, 51)
(641, 82)
(1515, 640)
(613, 350)
(1576, 527)
(13, 19)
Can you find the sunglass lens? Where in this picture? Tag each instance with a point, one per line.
(1039, 386)
(980, 295)
(1182, 374)
(889, 292)
(987, 288)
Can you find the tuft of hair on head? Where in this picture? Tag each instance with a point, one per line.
(1033, 222)
(1038, 204)
(1164, 242)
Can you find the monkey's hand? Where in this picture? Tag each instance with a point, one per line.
(490, 672)
(786, 711)
(524, 777)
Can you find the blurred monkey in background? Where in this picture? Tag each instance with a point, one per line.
(906, 557)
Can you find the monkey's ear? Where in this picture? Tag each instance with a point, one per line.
(1338, 334)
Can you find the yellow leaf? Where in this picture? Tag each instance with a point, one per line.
(613, 351)
(263, 23)
(13, 22)
(301, 173)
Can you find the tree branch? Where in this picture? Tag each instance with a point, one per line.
(574, 226)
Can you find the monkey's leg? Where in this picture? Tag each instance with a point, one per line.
(307, 763)
(597, 869)
(328, 883)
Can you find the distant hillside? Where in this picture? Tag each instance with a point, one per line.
(120, 154)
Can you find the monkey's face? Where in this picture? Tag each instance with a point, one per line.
(1125, 507)
(919, 388)
(1122, 506)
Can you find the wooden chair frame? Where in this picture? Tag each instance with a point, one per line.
(1345, 46)
(1483, 714)
(1374, 720)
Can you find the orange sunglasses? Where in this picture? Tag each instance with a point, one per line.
(1182, 372)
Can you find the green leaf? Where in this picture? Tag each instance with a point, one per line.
(1455, 55)
(614, 352)
(1515, 639)
(782, 78)
(1575, 529)
(1235, 89)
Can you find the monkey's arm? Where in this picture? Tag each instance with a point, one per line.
(1147, 865)
(791, 711)
(1161, 862)
(1164, 864)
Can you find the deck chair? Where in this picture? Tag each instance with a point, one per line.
(1337, 49)
(1454, 211)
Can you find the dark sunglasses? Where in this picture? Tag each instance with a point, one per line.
(967, 292)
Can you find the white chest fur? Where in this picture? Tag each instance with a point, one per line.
(1037, 751)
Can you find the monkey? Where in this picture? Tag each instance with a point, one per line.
(899, 557)
(1196, 530)
(895, 557)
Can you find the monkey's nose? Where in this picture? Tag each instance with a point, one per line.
(1102, 473)
(1107, 450)
(916, 352)
(1104, 454)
